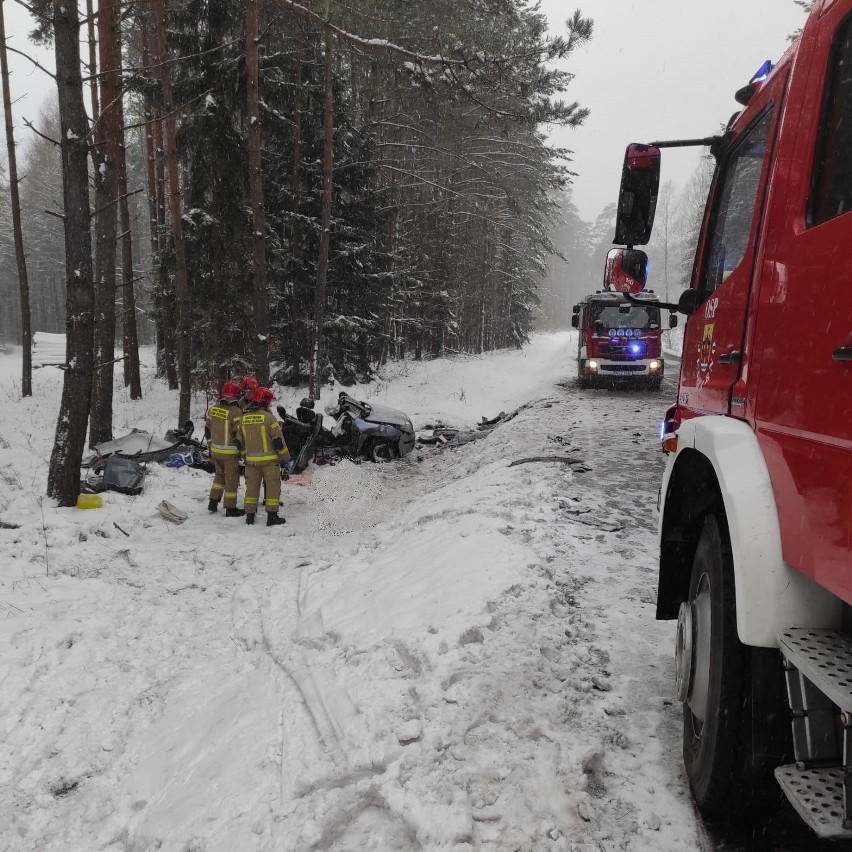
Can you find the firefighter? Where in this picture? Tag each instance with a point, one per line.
(258, 435)
(247, 388)
(222, 420)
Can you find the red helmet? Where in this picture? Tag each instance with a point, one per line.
(263, 396)
(230, 390)
(249, 382)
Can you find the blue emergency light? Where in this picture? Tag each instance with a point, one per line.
(763, 72)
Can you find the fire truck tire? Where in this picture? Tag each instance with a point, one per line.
(714, 747)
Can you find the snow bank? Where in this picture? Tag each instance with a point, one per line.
(444, 652)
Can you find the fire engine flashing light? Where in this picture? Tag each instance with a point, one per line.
(747, 92)
(635, 348)
(763, 72)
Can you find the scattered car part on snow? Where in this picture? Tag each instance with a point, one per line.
(170, 512)
(449, 436)
(300, 432)
(137, 444)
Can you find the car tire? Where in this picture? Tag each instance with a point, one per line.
(715, 747)
(382, 451)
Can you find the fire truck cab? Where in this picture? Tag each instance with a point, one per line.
(619, 340)
(755, 529)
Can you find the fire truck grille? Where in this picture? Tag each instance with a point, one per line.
(616, 351)
(622, 368)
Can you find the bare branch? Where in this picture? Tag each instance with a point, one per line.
(114, 202)
(39, 133)
(30, 59)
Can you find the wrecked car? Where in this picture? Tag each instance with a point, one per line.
(361, 430)
(370, 430)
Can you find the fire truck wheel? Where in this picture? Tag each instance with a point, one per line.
(713, 683)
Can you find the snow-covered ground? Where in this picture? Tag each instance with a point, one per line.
(450, 651)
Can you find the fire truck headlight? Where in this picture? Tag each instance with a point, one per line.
(654, 365)
(593, 366)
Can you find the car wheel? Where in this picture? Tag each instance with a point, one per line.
(382, 451)
(712, 679)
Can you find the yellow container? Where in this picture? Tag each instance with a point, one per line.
(90, 501)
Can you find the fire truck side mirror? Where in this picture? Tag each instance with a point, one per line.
(626, 270)
(575, 321)
(688, 302)
(672, 320)
(637, 199)
(575, 309)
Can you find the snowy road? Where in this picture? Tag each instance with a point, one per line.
(452, 651)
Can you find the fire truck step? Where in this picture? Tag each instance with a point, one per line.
(824, 657)
(817, 796)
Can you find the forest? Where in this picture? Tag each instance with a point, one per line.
(298, 190)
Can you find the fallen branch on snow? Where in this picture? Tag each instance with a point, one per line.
(563, 459)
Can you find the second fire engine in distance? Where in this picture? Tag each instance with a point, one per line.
(620, 340)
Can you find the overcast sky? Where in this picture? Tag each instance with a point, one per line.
(654, 69)
(660, 69)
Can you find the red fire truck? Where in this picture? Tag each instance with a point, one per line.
(620, 340)
(755, 525)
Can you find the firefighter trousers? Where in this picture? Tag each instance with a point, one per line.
(226, 479)
(268, 474)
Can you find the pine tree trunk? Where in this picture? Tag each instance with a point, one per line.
(130, 337)
(261, 310)
(150, 146)
(63, 482)
(20, 257)
(132, 370)
(156, 212)
(108, 137)
(325, 237)
(295, 343)
(93, 61)
(181, 276)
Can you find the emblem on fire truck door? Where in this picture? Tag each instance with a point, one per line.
(704, 362)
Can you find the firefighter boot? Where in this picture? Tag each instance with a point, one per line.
(272, 520)
(250, 518)
(212, 506)
(234, 513)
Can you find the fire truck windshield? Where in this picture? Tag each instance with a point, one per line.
(639, 317)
